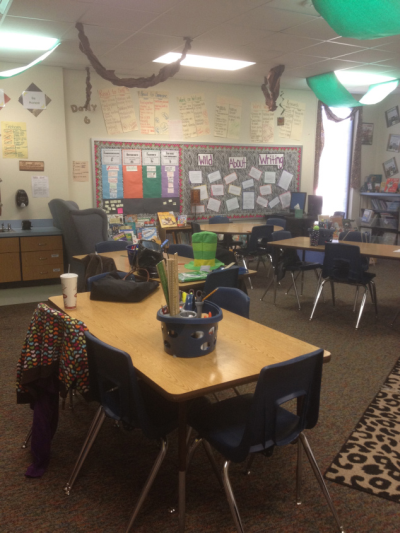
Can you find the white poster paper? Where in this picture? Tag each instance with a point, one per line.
(265, 189)
(262, 201)
(232, 204)
(230, 178)
(285, 199)
(205, 160)
(198, 208)
(213, 205)
(132, 157)
(151, 157)
(170, 157)
(237, 162)
(285, 179)
(269, 177)
(248, 200)
(40, 187)
(111, 155)
(217, 190)
(214, 176)
(195, 176)
(234, 190)
(34, 100)
(203, 192)
(274, 160)
(255, 173)
(247, 184)
(274, 202)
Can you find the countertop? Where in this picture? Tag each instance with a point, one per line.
(33, 232)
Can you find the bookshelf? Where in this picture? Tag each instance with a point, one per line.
(176, 235)
(383, 225)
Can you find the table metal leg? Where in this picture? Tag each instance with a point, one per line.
(182, 464)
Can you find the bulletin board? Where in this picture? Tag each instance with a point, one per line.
(237, 181)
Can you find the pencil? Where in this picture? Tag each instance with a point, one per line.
(212, 292)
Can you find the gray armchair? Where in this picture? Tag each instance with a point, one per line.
(81, 229)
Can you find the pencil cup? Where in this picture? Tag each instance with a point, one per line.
(69, 284)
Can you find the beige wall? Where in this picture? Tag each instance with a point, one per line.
(46, 142)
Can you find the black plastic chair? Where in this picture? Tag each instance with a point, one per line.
(255, 247)
(288, 260)
(233, 300)
(195, 227)
(221, 278)
(277, 222)
(255, 423)
(184, 250)
(125, 398)
(356, 236)
(110, 246)
(343, 264)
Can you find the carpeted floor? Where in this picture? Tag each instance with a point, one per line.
(114, 472)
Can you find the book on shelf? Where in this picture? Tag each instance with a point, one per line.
(392, 184)
(367, 215)
(182, 219)
(388, 238)
(167, 219)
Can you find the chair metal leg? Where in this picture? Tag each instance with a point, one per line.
(236, 390)
(231, 499)
(299, 472)
(275, 284)
(395, 316)
(295, 290)
(94, 429)
(27, 438)
(149, 482)
(245, 266)
(191, 451)
(302, 283)
(364, 298)
(320, 480)
(373, 295)
(355, 299)
(317, 296)
(267, 289)
(291, 285)
(213, 462)
(247, 468)
(333, 292)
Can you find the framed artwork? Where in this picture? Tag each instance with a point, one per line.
(390, 168)
(392, 116)
(367, 133)
(393, 143)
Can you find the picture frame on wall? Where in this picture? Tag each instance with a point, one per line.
(393, 143)
(392, 116)
(390, 168)
(367, 133)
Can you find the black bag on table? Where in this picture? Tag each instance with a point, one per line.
(112, 288)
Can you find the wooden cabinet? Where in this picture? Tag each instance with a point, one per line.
(41, 257)
(31, 258)
(10, 269)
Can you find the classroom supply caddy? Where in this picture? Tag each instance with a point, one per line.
(190, 337)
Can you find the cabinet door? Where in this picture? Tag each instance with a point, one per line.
(43, 272)
(47, 242)
(10, 269)
(9, 244)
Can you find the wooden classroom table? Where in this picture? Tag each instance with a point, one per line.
(243, 348)
(122, 263)
(382, 251)
(235, 228)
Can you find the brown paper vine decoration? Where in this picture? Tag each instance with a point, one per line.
(166, 72)
(271, 86)
(88, 95)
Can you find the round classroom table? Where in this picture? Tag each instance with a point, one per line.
(234, 228)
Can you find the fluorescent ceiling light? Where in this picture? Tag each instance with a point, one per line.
(4, 6)
(352, 78)
(191, 60)
(15, 71)
(21, 41)
(376, 93)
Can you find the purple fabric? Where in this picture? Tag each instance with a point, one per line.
(45, 421)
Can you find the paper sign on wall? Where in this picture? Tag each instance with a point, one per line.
(269, 177)
(230, 178)
(255, 173)
(262, 201)
(233, 189)
(248, 200)
(195, 176)
(274, 160)
(217, 190)
(285, 199)
(247, 184)
(214, 176)
(80, 170)
(40, 187)
(213, 205)
(285, 179)
(203, 192)
(274, 202)
(265, 189)
(232, 204)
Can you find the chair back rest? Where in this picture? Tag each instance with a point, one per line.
(90, 226)
(233, 300)
(219, 219)
(221, 278)
(342, 262)
(110, 246)
(277, 222)
(118, 386)
(298, 378)
(184, 250)
(354, 236)
(281, 235)
(258, 233)
(195, 227)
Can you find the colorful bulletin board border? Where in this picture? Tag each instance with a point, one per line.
(245, 161)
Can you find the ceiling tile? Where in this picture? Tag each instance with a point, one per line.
(150, 6)
(281, 42)
(179, 26)
(376, 68)
(226, 35)
(270, 19)
(296, 60)
(328, 49)
(328, 65)
(125, 19)
(370, 43)
(368, 56)
(101, 38)
(314, 29)
(298, 7)
(45, 28)
(61, 10)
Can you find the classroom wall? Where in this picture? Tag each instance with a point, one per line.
(46, 136)
(383, 132)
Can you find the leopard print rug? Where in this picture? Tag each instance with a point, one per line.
(370, 460)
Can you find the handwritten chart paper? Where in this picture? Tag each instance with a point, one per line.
(40, 187)
(294, 118)
(261, 124)
(194, 115)
(154, 112)
(80, 170)
(118, 112)
(232, 203)
(228, 116)
(15, 142)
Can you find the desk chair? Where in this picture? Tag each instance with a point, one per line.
(277, 222)
(343, 264)
(221, 278)
(256, 423)
(356, 236)
(184, 250)
(233, 300)
(111, 246)
(125, 398)
(255, 247)
(195, 227)
(288, 260)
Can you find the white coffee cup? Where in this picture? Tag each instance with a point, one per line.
(69, 283)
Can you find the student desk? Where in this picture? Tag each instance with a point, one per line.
(121, 262)
(234, 228)
(243, 348)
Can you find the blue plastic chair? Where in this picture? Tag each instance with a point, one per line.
(184, 250)
(221, 278)
(343, 264)
(125, 398)
(296, 266)
(233, 300)
(277, 222)
(255, 423)
(110, 246)
(90, 280)
(219, 219)
(256, 245)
